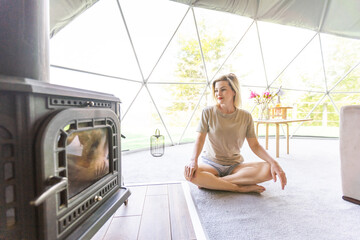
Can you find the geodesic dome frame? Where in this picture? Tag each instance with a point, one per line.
(319, 17)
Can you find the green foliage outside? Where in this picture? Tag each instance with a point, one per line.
(341, 59)
(190, 69)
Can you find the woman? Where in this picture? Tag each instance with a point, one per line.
(226, 127)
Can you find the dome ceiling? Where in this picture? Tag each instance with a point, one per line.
(335, 17)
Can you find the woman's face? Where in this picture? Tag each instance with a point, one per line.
(223, 93)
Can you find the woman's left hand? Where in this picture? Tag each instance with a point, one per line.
(276, 170)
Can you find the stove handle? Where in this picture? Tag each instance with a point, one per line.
(56, 183)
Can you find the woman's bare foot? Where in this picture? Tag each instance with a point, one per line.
(251, 188)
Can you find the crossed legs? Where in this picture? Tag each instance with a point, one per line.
(244, 178)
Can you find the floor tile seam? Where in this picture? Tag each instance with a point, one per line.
(131, 215)
(142, 213)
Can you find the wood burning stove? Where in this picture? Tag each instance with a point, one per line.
(60, 148)
(60, 160)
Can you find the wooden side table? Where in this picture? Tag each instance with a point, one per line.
(277, 122)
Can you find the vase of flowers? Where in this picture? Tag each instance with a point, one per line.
(263, 102)
(264, 112)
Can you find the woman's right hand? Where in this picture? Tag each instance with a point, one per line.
(190, 170)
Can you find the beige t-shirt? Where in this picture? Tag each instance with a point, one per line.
(225, 134)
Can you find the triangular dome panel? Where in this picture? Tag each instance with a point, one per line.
(151, 27)
(305, 72)
(189, 134)
(246, 61)
(280, 45)
(219, 33)
(182, 61)
(344, 99)
(140, 122)
(340, 55)
(351, 83)
(322, 113)
(96, 42)
(176, 103)
(304, 107)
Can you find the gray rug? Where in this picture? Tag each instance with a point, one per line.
(310, 207)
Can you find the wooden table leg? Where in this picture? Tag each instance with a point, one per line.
(277, 140)
(267, 137)
(287, 137)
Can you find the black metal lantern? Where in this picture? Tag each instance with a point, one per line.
(157, 144)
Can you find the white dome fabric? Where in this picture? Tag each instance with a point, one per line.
(62, 12)
(327, 16)
(336, 17)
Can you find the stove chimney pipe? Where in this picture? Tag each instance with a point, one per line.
(24, 39)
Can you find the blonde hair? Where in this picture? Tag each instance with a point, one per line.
(234, 85)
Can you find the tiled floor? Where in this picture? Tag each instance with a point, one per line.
(156, 211)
